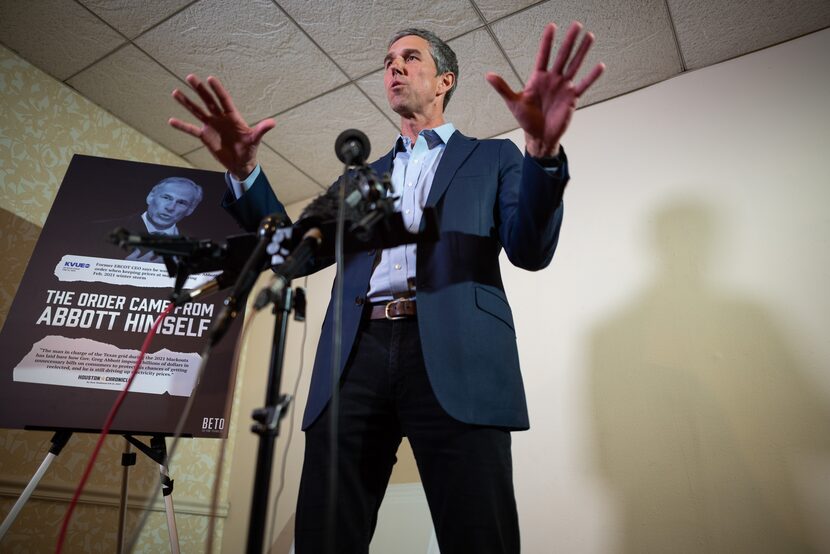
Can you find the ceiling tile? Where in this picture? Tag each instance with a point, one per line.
(202, 159)
(723, 30)
(356, 37)
(372, 85)
(290, 184)
(633, 39)
(306, 134)
(494, 9)
(133, 18)
(267, 63)
(57, 36)
(476, 109)
(137, 90)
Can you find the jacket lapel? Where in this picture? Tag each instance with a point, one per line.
(384, 164)
(458, 149)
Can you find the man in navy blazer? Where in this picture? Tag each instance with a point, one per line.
(428, 347)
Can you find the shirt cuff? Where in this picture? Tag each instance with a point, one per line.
(550, 164)
(241, 187)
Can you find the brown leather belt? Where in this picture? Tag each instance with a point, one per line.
(396, 309)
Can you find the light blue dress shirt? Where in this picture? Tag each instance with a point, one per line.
(413, 170)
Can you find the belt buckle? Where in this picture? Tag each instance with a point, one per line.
(388, 305)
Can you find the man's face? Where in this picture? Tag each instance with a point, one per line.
(410, 77)
(169, 204)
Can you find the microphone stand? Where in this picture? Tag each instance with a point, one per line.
(267, 418)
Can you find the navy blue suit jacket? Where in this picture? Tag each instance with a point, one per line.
(487, 197)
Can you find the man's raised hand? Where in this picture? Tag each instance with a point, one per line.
(223, 131)
(545, 107)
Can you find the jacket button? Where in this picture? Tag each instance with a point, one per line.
(359, 300)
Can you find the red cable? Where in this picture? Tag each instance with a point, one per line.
(107, 424)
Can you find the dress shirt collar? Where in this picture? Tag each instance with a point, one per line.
(434, 137)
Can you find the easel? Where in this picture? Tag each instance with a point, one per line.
(156, 451)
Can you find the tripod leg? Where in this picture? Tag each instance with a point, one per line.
(59, 440)
(159, 445)
(127, 460)
(168, 507)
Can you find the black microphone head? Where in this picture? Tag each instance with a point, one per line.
(352, 147)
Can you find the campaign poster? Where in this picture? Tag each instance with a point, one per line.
(84, 306)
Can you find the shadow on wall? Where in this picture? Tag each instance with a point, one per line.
(701, 415)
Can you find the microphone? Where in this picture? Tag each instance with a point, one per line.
(366, 202)
(366, 195)
(221, 281)
(352, 147)
(173, 245)
(235, 255)
(293, 265)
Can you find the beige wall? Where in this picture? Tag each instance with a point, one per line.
(42, 124)
(676, 353)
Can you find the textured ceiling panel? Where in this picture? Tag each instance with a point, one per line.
(633, 39)
(202, 159)
(306, 134)
(133, 18)
(137, 90)
(494, 9)
(711, 32)
(270, 65)
(356, 37)
(372, 85)
(59, 37)
(289, 183)
(476, 109)
(267, 63)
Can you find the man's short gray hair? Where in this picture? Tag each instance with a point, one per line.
(442, 54)
(197, 190)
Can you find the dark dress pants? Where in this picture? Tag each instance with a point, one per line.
(466, 470)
